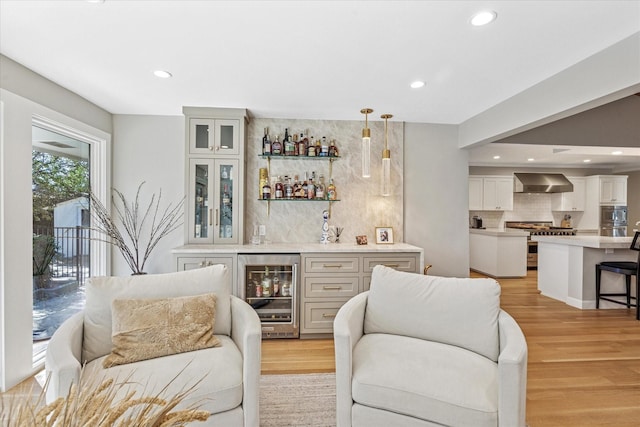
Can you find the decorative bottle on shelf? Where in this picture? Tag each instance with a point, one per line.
(264, 179)
(303, 188)
(266, 190)
(288, 188)
(320, 189)
(276, 146)
(311, 149)
(311, 187)
(275, 283)
(324, 147)
(279, 194)
(226, 197)
(266, 144)
(288, 143)
(297, 187)
(333, 150)
(332, 193)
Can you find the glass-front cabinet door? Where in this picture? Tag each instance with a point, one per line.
(214, 193)
(226, 211)
(214, 136)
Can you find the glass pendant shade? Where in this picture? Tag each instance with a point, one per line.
(386, 160)
(366, 157)
(386, 176)
(366, 144)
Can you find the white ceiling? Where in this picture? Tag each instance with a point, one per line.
(307, 59)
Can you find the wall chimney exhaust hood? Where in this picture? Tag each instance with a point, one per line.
(541, 183)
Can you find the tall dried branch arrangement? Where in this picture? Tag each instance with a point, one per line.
(126, 226)
(104, 404)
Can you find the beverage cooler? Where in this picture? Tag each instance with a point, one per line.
(269, 284)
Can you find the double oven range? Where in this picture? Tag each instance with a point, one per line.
(538, 228)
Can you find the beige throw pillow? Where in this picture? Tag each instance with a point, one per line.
(148, 328)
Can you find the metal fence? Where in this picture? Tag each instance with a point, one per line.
(72, 252)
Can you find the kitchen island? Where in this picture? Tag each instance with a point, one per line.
(498, 252)
(566, 267)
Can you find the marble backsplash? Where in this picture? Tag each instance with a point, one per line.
(360, 208)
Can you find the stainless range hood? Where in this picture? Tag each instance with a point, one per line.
(541, 183)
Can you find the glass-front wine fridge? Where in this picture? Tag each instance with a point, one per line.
(269, 283)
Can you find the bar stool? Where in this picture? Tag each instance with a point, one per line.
(629, 269)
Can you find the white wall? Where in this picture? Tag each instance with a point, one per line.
(437, 197)
(150, 149)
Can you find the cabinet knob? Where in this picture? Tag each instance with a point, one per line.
(210, 148)
(202, 264)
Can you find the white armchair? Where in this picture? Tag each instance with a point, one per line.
(421, 350)
(229, 374)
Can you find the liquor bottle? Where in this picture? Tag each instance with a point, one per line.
(303, 145)
(279, 188)
(320, 188)
(303, 189)
(266, 144)
(297, 187)
(311, 149)
(264, 179)
(266, 283)
(318, 147)
(333, 150)
(288, 188)
(311, 187)
(288, 143)
(324, 147)
(332, 193)
(276, 146)
(266, 191)
(296, 147)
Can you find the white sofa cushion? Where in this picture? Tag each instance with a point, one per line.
(460, 312)
(431, 381)
(101, 291)
(219, 369)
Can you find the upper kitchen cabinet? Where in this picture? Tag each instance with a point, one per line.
(613, 190)
(215, 149)
(497, 193)
(219, 136)
(571, 201)
(475, 193)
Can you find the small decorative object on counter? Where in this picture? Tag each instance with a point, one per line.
(324, 239)
(361, 240)
(384, 235)
(337, 231)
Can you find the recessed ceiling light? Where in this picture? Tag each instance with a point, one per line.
(616, 153)
(530, 159)
(587, 160)
(417, 84)
(496, 157)
(162, 74)
(483, 18)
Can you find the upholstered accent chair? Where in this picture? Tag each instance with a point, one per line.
(225, 377)
(420, 350)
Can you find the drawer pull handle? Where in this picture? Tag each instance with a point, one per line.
(332, 288)
(328, 315)
(392, 265)
(332, 265)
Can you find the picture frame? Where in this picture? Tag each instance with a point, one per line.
(635, 244)
(384, 235)
(361, 240)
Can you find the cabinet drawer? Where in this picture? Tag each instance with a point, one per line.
(318, 316)
(331, 265)
(330, 287)
(190, 263)
(400, 263)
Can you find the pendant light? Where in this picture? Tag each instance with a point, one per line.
(386, 159)
(366, 144)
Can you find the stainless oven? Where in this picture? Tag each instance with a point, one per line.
(269, 283)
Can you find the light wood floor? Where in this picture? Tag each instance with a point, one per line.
(584, 365)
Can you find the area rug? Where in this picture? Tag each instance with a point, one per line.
(298, 400)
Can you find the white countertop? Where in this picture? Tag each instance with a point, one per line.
(499, 232)
(596, 242)
(298, 248)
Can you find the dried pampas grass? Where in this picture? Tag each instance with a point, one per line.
(98, 404)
